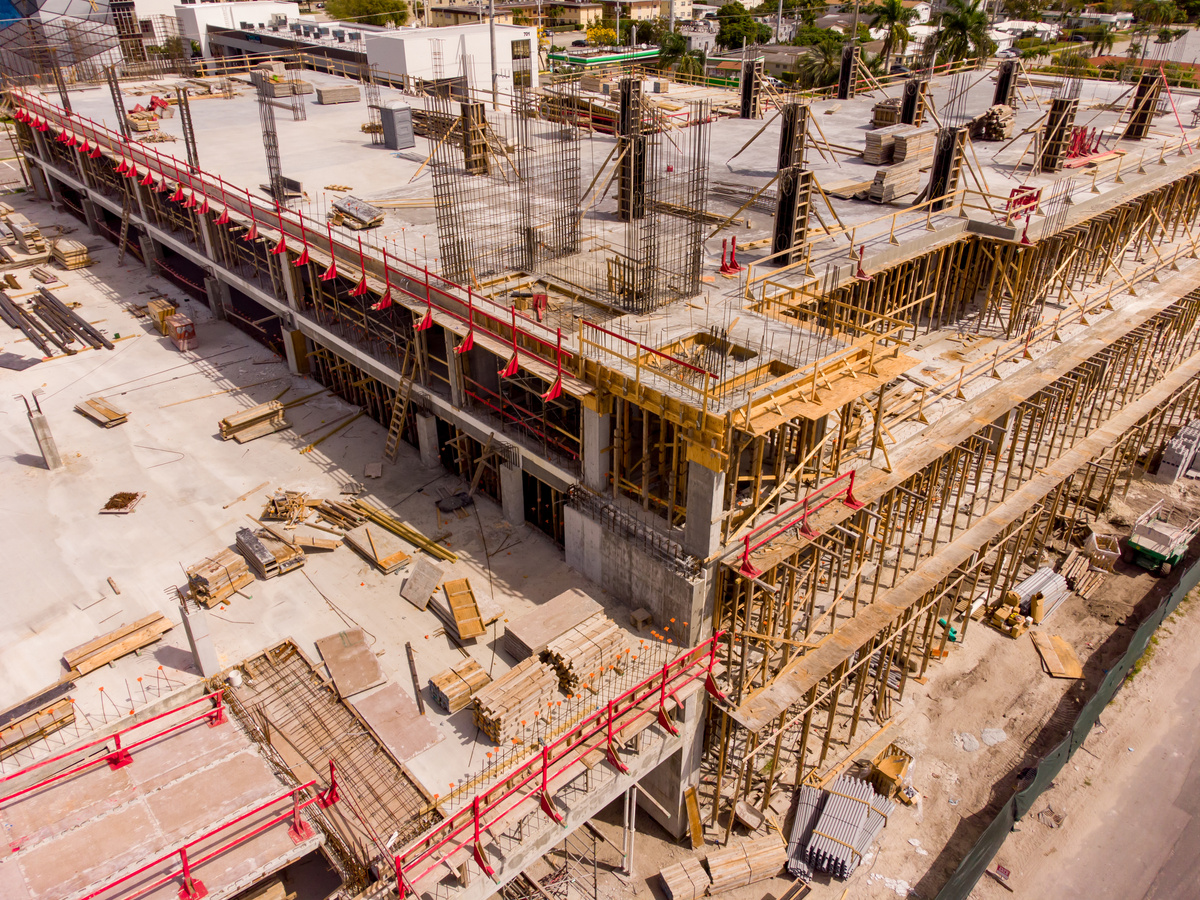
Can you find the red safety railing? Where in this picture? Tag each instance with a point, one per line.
(797, 512)
(191, 888)
(121, 754)
(599, 731)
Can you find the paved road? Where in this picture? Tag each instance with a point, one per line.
(1145, 840)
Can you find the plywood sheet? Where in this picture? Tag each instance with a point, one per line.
(420, 585)
(397, 722)
(351, 662)
(1060, 659)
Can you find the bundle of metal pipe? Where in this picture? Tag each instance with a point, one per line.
(849, 820)
(1045, 581)
(809, 801)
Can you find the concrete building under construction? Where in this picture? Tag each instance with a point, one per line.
(805, 384)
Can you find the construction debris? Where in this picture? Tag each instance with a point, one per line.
(215, 579)
(405, 532)
(507, 705)
(1058, 657)
(112, 646)
(422, 581)
(122, 503)
(453, 688)
(48, 322)
(102, 412)
(258, 421)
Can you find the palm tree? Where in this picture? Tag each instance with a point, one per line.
(963, 33)
(894, 18)
(820, 66)
(1104, 41)
(690, 64)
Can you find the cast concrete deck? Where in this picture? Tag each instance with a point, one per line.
(73, 838)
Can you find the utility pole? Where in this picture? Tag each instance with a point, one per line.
(779, 23)
(492, 35)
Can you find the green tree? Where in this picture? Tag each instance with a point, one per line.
(893, 18)
(1025, 10)
(963, 31)
(601, 34)
(368, 12)
(1103, 42)
(672, 48)
(819, 66)
(737, 25)
(692, 64)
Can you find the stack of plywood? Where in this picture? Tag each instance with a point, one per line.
(915, 144)
(747, 863)
(454, 687)
(71, 254)
(685, 880)
(895, 181)
(100, 410)
(108, 647)
(881, 143)
(141, 121)
(379, 546)
(252, 423)
(216, 579)
(269, 555)
(342, 93)
(507, 705)
(584, 653)
(532, 633)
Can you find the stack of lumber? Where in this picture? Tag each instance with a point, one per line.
(378, 547)
(338, 514)
(101, 411)
(453, 688)
(881, 144)
(915, 144)
(268, 554)
(288, 88)
(531, 634)
(747, 863)
(895, 181)
(357, 214)
(1080, 575)
(31, 721)
(996, 123)
(44, 275)
(342, 93)
(256, 422)
(215, 579)
(885, 112)
(504, 707)
(71, 254)
(404, 532)
(584, 653)
(108, 647)
(141, 120)
(685, 880)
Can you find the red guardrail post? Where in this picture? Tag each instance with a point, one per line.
(663, 719)
(330, 796)
(478, 848)
(611, 746)
(218, 713)
(547, 802)
(850, 500)
(710, 681)
(119, 758)
(299, 831)
(193, 888)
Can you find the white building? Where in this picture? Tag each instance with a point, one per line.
(195, 19)
(410, 51)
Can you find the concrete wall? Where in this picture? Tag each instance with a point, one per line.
(409, 52)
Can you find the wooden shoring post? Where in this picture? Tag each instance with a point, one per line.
(749, 761)
(767, 789)
(860, 690)
(745, 764)
(927, 637)
(836, 679)
(907, 641)
(721, 760)
(801, 751)
(977, 566)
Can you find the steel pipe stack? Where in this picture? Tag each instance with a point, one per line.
(809, 801)
(849, 816)
(1045, 581)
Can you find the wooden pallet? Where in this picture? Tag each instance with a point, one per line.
(453, 688)
(108, 647)
(464, 608)
(268, 553)
(102, 412)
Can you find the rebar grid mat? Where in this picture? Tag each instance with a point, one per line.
(283, 700)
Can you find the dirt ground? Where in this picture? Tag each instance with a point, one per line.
(990, 694)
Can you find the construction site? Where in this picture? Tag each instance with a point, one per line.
(579, 492)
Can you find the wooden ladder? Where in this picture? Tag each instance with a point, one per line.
(124, 238)
(408, 373)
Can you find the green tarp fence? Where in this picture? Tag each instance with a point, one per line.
(975, 863)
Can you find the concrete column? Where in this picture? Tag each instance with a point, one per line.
(41, 431)
(427, 439)
(583, 540)
(218, 297)
(150, 251)
(206, 236)
(290, 289)
(512, 494)
(89, 213)
(204, 652)
(295, 346)
(596, 441)
(705, 500)
(663, 788)
(41, 187)
(454, 365)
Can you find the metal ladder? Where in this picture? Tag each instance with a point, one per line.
(408, 374)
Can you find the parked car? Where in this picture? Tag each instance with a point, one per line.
(1010, 53)
(578, 43)
(899, 70)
